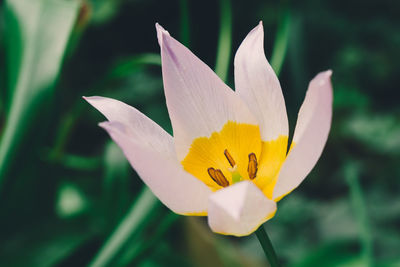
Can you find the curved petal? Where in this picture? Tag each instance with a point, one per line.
(198, 102)
(239, 209)
(310, 135)
(142, 129)
(258, 86)
(178, 190)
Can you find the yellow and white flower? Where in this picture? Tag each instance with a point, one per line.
(228, 157)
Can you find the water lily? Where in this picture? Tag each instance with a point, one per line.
(228, 156)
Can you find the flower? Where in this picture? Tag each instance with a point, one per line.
(228, 157)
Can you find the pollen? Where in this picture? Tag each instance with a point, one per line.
(218, 177)
(229, 158)
(252, 167)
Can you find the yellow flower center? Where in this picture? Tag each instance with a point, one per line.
(234, 154)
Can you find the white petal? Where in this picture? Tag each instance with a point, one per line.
(311, 133)
(199, 103)
(178, 190)
(142, 129)
(258, 86)
(239, 209)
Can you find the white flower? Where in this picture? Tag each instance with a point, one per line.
(228, 157)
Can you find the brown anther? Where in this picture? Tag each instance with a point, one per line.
(218, 177)
(229, 158)
(252, 156)
(252, 167)
(211, 172)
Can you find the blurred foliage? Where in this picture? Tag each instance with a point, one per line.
(37, 34)
(68, 197)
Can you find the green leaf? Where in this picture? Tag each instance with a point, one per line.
(377, 131)
(142, 247)
(281, 40)
(352, 173)
(116, 193)
(338, 253)
(37, 35)
(141, 209)
(224, 40)
(184, 22)
(129, 65)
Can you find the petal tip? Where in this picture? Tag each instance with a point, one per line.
(160, 28)
(259, 28)
(239, 209)
(253, 42)
(327, 73)
(322, 78)
(92, 100)
(256, 32)
(112, 126)
(89, 98)
(257, 35)
(106, 125)
(161, 33)
(86, 98)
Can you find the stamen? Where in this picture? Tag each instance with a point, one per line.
(229, 158)
(223, 181)
(211, 172)
(252, 156)
(218, 177)
(252, 167)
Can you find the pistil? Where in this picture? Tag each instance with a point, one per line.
(236, 177)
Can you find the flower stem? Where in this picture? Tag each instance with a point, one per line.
(267, 246)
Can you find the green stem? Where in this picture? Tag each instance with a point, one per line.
(267, 246)
(225, 40)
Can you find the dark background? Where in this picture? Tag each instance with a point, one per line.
(65, 187)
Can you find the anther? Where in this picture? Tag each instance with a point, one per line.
(252, 167)
(218, 177)
(229, 158)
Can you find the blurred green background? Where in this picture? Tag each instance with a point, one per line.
(68, 197)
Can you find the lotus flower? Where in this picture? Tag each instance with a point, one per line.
(228, 156)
